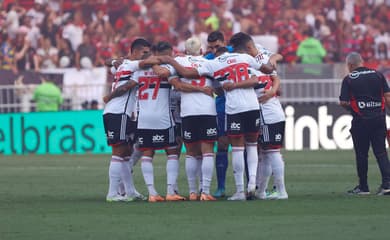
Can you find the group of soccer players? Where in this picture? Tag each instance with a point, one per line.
(140, 117)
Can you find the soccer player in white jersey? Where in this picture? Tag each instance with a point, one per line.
(199, 125)
(272, 124)
(119, 122)
(155, 128)
(242, 108)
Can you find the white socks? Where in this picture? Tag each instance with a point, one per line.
(114, 173)
(191, 166)
(127, 177)
(238, 167)
(207, 171)
(264, 173)
(277, 165)
(271, 163)
(172, 173)
(252, 161)
(147, 172)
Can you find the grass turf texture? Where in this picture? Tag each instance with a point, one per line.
(63, 197)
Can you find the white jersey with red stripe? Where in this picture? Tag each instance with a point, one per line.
(230, 68)
(127, 102)
(271, 110)
(153, 99)
(196, 103)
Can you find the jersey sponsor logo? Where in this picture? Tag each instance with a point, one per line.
(110, 134)
(211, 131)
(235, 126)
(370, 104)
(356, 74)
(278, 137)
(158, 138)
(187, 135)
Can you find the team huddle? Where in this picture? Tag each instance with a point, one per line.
(159, 102)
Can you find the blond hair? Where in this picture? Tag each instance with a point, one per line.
(193, 46)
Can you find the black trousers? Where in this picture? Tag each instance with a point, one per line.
(365, 132)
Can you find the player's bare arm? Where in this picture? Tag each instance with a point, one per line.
(119, 91)
(267, 68)
(162, 72)
(251, 82)
(114, 62)
(274, 58)
(186, 87)
(269, 93)
(183, 71)
(149, 62)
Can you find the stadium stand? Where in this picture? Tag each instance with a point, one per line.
(111, 25)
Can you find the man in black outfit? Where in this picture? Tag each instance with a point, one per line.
(364, 93)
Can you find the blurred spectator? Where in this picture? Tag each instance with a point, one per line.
(105, 50)
(289, 48)
(100, 21)
(24, 54)
(50, 29)
(382, 37)
(90, 105)
(47, 96)
(131, 22)
(66, 55)
(310, 50)
(94, 105)
(7, 54)
(329, 41)
(32, 31)
(55, 5)
(74, 30)
(200, 32)
(382, 52)
(220, 18)
(37, 12)
(341, 26)
(86, 53)
(156, 28)
(14, 12)
(367, 49)
(46, 56)
(202, 9)
(125, 43)
(351, 40)
(116, 9)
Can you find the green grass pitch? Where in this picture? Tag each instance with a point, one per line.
(63, 197)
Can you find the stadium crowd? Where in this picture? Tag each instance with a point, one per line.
(40, 34)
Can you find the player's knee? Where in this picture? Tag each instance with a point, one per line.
(121, 150)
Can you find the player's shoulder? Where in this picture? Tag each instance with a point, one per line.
(129, 65)
(180, 58)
